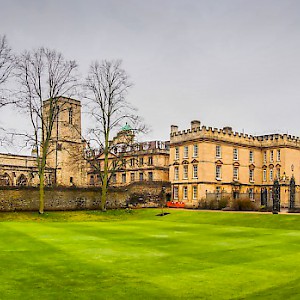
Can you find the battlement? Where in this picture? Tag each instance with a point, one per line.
(228, 135)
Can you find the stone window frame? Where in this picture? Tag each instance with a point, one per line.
(185, 151)
(195, 192)
(185, 192)
(185, 173)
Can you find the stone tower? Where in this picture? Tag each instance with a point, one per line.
(66, 148)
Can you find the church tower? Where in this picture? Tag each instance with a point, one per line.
(66, 147)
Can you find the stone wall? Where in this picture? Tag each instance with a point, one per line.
(27, 199)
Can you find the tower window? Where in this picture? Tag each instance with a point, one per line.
(70, 115)
(176, 153)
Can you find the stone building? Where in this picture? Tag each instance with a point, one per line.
(66, 153)
(206, 160)
(138, 162)
(21, 170)
(67, 164)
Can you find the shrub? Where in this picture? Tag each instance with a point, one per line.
(213, 204)
(243, 204)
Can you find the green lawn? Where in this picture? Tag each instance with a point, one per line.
(138, 255)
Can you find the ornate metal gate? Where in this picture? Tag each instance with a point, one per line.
(276, 197)
(264, 197)
(292, 193)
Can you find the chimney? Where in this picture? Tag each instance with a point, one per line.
(174, 128)
(195, 124)
(227, 129)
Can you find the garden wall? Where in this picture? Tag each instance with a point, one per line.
(27, 199)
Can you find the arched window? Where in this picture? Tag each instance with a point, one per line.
(22, 180)
(5, 179)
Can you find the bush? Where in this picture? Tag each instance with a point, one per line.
(294, 210)
(243, 204)
(213, 204)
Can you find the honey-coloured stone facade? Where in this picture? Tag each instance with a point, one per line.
(206, 160)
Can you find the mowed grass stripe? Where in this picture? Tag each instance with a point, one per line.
(139, 258)
(44, 270)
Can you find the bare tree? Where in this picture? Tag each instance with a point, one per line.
(44, 75)
(107, 85)
(7, 63)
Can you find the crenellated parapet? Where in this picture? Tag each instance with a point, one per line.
(226, 134)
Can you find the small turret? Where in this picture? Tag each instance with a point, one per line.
(195, 124)
(227, 129)
(174, 128)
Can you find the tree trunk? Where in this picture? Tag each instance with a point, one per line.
(105, 176)
(104, 193)
(42, 193)
(42, 179)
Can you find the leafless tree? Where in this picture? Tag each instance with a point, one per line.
(106, 86)
(44, 74)
(7, 63)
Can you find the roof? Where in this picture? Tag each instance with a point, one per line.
(126, 127)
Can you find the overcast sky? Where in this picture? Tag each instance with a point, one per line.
(226, 63)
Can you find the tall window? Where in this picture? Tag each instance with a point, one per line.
(235, 173)
(176, 173)
(251, 194)
(278, 173)
(278, 155)
(186, 152)
(124, 163)
(271, 155)
(251, 175)
(271, 174)
(235, 154)
(131, 162)
(141, 176)
(195, 152)
(185, 192)
(150, 160)
(177, 153)
(195, 192)
(264, 175)
(185, 171)
(124, 178)
(70, 115)
(150, 176)
(251, 156)
(218, 172)
(132, 176)
(114, 178)
(175, 193)
(218, 151)
(141, 161)
(195, 171)
(265, 156)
